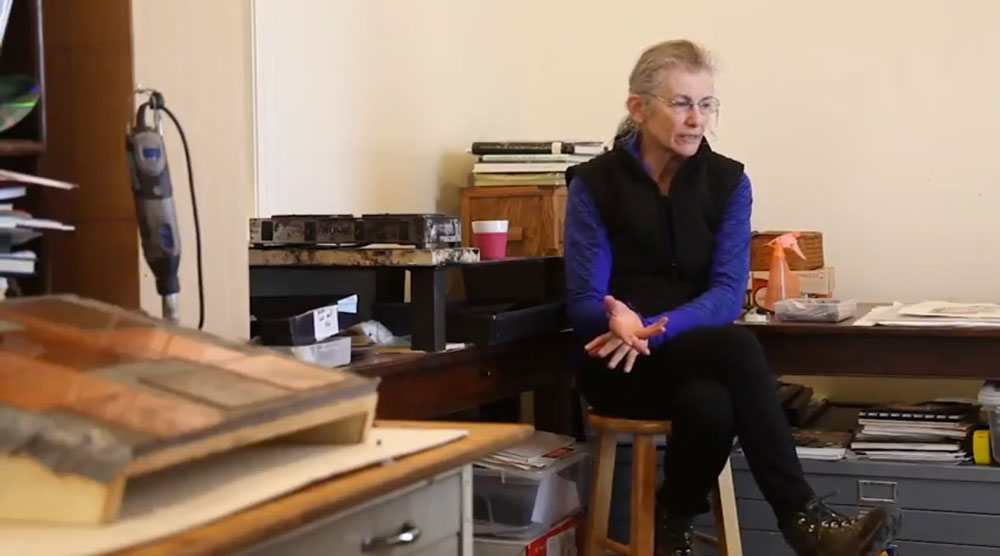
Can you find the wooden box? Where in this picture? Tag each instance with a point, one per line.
(535, 216)
(92, 395)
(811, 244)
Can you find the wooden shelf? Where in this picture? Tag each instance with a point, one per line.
(21, 147)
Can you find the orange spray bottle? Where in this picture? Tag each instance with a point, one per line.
(782, 283)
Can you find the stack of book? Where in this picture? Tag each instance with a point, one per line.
(821, 445)
(529, 163)
(18, 227)
(927, 432)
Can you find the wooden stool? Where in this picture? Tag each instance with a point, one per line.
(596, 541)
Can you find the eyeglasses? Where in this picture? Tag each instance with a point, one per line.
(683, 104)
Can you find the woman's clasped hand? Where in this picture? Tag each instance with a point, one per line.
(627, 337)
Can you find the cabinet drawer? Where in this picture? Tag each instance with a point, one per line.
(912, 493)
(432, 507)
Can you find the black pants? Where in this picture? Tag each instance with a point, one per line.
(714, 384)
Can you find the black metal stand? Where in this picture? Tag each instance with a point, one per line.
(427, 292)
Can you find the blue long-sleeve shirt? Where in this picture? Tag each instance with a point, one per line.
(587, 252)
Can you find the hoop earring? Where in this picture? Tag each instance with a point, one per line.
(712, 128)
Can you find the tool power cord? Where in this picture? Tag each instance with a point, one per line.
(194, 210)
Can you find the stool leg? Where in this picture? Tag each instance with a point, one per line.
(643, 495)
(600, 494)
(727, 524)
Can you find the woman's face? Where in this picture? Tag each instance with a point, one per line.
(675, 117)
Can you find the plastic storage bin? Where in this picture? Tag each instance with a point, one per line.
(815, 310)
(333, 352)
(989, 398)
(508, 500)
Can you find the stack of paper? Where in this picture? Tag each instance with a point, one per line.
(540, 451)
(934, 314)
(15, 225)
(932, 431)
(18, 262)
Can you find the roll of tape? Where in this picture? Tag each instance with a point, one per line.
(753, 316)
(981, 448)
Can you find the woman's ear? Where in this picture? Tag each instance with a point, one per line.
(636, 106)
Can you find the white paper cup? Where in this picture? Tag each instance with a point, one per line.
(490, 236)
(489, 226)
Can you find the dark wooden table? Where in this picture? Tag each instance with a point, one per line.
(431, 385)
(426, 386)
(890, 351)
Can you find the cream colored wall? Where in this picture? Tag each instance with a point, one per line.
(198, 53)
(874, 122)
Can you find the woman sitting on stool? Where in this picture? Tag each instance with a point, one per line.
(657, 259)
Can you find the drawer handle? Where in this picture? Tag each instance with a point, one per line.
(407, 534)
(893, 489)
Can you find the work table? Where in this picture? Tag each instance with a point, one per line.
(244, 531)
(842, 349)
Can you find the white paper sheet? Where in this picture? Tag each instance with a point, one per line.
(894, 316)
(948, 309)
(184, 497)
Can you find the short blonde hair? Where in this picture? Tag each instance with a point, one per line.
(655, 61)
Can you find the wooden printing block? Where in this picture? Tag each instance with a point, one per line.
(282, 371)
(153, 411)
(35, 385)
(216, 386)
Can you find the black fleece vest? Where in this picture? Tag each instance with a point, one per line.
(661, 250)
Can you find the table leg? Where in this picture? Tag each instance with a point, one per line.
(427, 294)
(557, 406)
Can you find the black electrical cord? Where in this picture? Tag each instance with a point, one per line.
(194, 210)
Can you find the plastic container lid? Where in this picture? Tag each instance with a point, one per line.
(989, 395)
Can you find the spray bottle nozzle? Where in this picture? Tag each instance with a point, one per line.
(787, 241)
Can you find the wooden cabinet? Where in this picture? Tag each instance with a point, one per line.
(535, 216)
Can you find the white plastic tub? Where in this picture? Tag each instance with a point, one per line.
(989, 398)
(510, 501)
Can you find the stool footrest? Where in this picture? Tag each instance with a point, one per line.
(705, 538)
(614, 546)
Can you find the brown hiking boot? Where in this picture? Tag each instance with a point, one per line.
(820, 531)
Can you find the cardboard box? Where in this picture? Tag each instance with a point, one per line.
(813, 283)
(559, 540)
(811, 244)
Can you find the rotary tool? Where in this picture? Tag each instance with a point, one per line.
(154, 202)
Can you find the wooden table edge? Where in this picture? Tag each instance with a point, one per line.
(269, 519)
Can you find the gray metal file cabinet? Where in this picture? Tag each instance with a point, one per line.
(947, 510)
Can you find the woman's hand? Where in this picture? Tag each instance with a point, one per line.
(626, 337)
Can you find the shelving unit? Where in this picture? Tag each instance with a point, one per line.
(22, 146)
